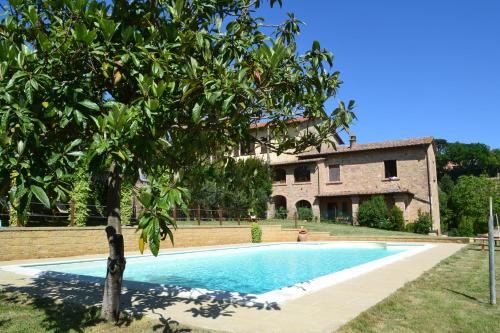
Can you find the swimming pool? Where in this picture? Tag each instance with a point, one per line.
(271, 271)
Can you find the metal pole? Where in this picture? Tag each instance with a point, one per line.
(491, 250)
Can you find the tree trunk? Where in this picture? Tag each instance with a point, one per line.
(116, 259)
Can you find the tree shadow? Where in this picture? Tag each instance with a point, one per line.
(72, 302)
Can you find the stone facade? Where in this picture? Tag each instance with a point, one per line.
(403, 171)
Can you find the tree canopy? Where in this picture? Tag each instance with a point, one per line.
(458, 159)
(153, 85)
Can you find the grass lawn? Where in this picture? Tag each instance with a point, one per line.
(451, 297)
(333, 229)
(20, 313)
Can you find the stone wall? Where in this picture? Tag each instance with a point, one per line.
(30, 243)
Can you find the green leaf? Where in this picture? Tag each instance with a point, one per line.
(40, 195)
(196, 113)
(90, 105)
(154, 237)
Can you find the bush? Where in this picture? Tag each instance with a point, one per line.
(465, 227)
(396, 219)
(79, 196)
(373, 212)
(281, 213)
(126, 208)
(410, 227)
(256, 231)
(423, 223)
(305, 213)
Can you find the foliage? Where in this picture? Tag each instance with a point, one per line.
(410, 227)
(457, 159)
(470, 198)
(129, 85)
(396, 219)
(281, 213)
(256, 232)
(373, 212)
(157, 197)
(465, 227)
(423, 223)
(305, 213)
(241, 185)
(79, 196)
(126, 197)
(90, 78)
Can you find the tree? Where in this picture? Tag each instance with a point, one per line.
(470, 200)
(457, 159)
(151, 85)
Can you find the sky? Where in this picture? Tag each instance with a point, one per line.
(415, 68)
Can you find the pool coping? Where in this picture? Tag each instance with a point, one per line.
(275, 297)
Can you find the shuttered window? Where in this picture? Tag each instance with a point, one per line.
(334, 171)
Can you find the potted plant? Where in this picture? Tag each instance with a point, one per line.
(302, 235)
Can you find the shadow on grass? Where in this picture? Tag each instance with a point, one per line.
(72, 302)
(472, 298)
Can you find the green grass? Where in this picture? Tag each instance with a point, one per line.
(22, 313)
(333, 229)
(451, 297)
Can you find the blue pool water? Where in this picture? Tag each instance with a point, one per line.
(253, 270)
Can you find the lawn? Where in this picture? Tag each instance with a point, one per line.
(20, 313)
(451, 297)
(334, 229)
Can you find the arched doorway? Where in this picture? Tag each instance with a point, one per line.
(303, 204)
(280, 210)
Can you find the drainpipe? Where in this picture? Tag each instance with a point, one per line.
(429, 181)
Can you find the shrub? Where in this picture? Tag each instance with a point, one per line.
(423, 223)
(465, 227)
(373, 212)
(410, 227)
(79, 196)
(126, 202)
(256, 231)
(305, 213)
(396, 219)
(281, 213)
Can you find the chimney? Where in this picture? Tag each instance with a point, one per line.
(352, 140)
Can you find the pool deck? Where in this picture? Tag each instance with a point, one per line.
(321, 311)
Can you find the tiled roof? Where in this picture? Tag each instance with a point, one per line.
(372, 146)
(291, 121)
(361, 192)
(309, 160)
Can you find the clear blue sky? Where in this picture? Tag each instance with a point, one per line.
(414, 68)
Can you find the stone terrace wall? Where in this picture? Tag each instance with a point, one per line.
(30, 243)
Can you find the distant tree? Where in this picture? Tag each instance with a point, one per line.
(470, 198)
(457, 159)
(446, 184)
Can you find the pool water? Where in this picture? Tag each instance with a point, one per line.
(252, 270)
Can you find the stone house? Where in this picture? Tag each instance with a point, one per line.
(334, 181)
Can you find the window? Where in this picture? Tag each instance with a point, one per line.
(248, 148)
(302, 174)
(391, 170)
(263, 145)
(279, 176)
(334, 171)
